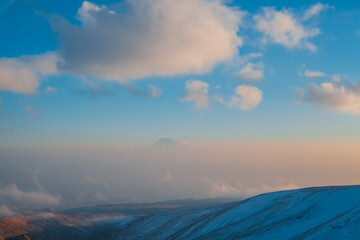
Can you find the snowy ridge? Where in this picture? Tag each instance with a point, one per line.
(311, 213)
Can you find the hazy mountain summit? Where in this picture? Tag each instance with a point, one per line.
(166, 142)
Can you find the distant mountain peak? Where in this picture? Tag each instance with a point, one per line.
(166, 142)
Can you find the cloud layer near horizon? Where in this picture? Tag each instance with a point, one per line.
(79, 175)
(158, 37)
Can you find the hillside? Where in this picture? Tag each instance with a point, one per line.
(321, 213)
(312, 213)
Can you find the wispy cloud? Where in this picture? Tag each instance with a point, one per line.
(94, 92)
(283, 28)
(5, 211)
(32, 198)
(251, 72)
(155, 92)
(314, 74)
(315, 10)
(49, 89)
(336, 78)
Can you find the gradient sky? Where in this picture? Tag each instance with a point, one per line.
(286, 52)
(260, 97)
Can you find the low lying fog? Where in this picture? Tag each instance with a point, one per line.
(65, 177)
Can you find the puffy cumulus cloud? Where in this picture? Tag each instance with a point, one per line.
(251, 72)
(34, 199)
(197, 92)
(248, 98)
(315, 10)
(22, 74)
(345, 99)
(283, 28)
(157, 37)
(313, 74)
(155, 92)
(5, 211)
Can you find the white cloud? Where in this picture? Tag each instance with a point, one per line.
(345, 99)
(244, 59)
(155, 92)
(197, 92)
(251, 72)
(313, 74)
(5, 211)
(283, 28)
(249, 98)
(35, 199)
(22, 74)
(315, 10)
(336, 78)
(158, 37)
(49, 89)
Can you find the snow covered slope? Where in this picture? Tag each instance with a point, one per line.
(312, 213)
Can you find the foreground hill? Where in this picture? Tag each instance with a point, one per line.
(312, 213)
(90, 222)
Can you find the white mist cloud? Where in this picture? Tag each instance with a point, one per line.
(197, 92)
(283, 28)
(314, 74)
(159, 37)
(247, 98)
(244, 59)
(155, 92)
(225, 188)
(5, 211)
(49, 89)
(315, 10)
(23, 74)
(30, 199)
(345, 99)
(251, 72)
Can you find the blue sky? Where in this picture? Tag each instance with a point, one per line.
(91, 96)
